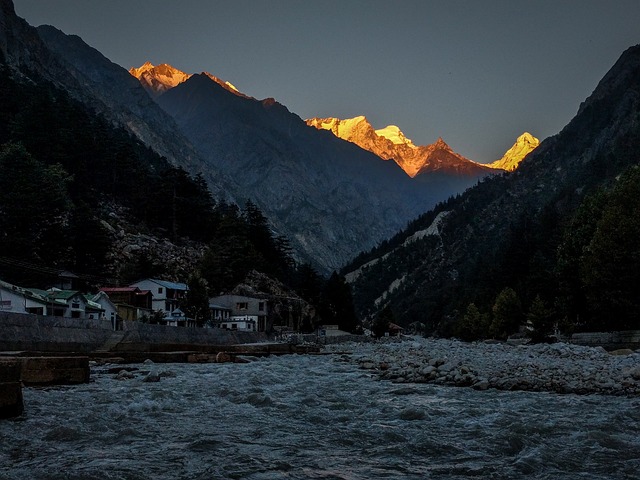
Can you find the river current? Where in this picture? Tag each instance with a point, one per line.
(312, 417)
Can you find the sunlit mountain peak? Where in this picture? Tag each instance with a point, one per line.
(525, 144)
(158, 79)
(390, 143)
(395, 135)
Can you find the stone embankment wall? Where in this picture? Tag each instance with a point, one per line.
(51, 334)
(156, 338)
(608, 340)
(35, 333)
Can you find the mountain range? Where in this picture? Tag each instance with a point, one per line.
(329, 197)
(389, 143)
(144, 148)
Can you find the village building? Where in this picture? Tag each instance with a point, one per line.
(132, 304)
(166, 296)
(20, 300)
(68, 304)
(178, 319)
(218, 313)
(240, 312)
(109, 310)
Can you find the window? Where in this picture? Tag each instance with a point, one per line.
(261, 306)
(242, 306)
(234, 326)
(159, 289)
(75, 305)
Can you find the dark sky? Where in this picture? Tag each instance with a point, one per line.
(477, 73)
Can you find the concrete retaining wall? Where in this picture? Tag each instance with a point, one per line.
(51, 334)
(160, 338)
(35, 333)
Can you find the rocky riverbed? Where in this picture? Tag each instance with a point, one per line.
(559, 367)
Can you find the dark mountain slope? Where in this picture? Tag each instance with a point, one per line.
(126, 102)
(68, 63)
(329, 196)
(508, 227)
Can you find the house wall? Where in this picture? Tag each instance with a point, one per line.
(158, 292)
(80, 310)
(110, 310)
(232, 301)
(11, 301)
(165, 299)
(246, 322)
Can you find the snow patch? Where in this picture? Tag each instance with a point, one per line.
(395, 135)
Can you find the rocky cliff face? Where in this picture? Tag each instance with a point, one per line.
(524, 145)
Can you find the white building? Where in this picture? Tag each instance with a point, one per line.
(109, 309)
(20, 300)
(166, 296)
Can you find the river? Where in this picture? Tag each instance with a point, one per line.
(312, 417)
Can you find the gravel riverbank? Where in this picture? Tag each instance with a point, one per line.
(559, 367)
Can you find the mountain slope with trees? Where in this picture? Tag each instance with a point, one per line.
(514, 231)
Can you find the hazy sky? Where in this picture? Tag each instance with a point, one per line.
(477, 73)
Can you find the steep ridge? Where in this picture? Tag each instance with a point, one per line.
(158, 79)
(422, 279)
(115, 93)
(70, 64)
(329, 196)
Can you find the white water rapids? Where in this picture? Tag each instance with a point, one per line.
(312, 417)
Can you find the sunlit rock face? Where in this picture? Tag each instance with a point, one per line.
(157, 79)
(390, 143)
(524, 145)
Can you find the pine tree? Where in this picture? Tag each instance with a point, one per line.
(540, 320)
(474, 325)
(381, 322)
(336, 307)
(196, 304)
(507, 314)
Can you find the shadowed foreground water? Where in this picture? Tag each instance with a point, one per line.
(312, 417)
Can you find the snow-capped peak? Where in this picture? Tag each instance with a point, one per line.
(512, 157)
(395, 135)
(158, 79)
